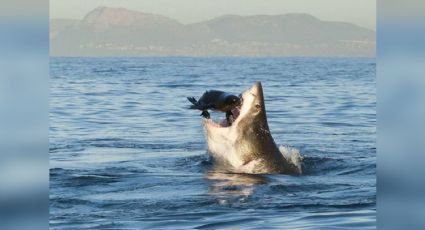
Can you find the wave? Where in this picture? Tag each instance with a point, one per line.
(80, 145)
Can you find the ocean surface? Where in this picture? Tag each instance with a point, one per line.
(126, 153)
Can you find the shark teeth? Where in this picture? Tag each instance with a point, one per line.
(212, 123)
(224, 123)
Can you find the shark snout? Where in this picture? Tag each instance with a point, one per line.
(257, 89)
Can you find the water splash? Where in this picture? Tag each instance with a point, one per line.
(292, 155)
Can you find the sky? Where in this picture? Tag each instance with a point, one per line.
(360, 12)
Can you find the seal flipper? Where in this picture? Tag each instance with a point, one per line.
(193, 100)
(205, 114)
(196, 104)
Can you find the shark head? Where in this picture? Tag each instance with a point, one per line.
(251, 109)
(246, 144)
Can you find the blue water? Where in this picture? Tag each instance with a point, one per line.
(126, 153)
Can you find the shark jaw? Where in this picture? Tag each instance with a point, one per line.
(246, 145)
(251, 99)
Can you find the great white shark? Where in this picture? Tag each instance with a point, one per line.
(246, 144)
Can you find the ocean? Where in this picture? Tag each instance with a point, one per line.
(126, 153)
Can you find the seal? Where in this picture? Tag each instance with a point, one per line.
(247, 144)
(215, 100)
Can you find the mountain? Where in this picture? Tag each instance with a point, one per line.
(120, 32)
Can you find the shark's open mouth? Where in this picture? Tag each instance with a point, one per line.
(227, 123)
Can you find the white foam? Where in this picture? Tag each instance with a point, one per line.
(292, 155)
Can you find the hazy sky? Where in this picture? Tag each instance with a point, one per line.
(360, 12)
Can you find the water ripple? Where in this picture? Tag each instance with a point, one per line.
(126, 153)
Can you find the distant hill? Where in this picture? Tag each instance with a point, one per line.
(121, 32)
